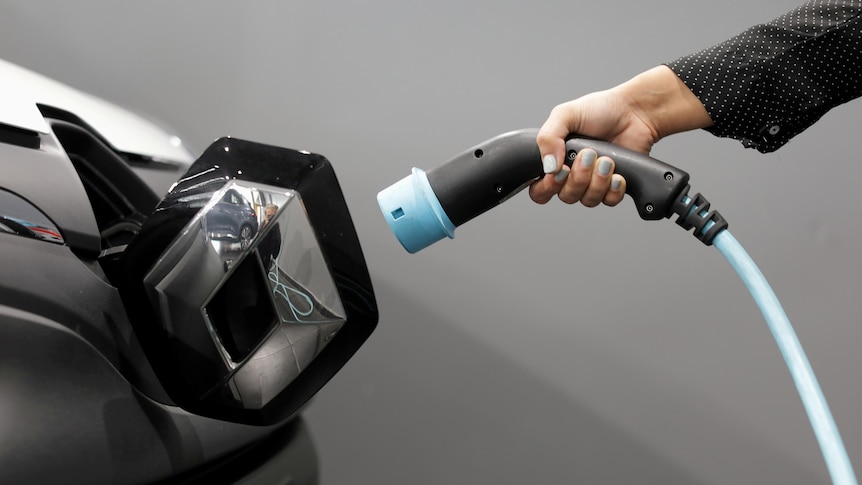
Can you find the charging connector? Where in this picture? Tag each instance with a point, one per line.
(424, 208)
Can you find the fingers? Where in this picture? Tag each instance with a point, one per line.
(544, 189)
(591, 181)
(577, 185)
(552, 136)
(552, 146)
(618, 189)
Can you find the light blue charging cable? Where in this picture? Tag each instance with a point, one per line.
(800, 369)
(418, 218)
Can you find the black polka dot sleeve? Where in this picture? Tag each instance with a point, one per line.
(771, 82)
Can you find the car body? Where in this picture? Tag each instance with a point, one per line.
(135, 346)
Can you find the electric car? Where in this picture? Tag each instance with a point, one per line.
(233, 218)
(138, 345)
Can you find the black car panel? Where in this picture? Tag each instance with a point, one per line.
(94, 389)
(46, 178)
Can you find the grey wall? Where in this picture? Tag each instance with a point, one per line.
(545, 344)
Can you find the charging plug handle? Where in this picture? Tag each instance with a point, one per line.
(489, 173)
(425, 207)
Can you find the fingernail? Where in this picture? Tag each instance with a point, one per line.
(604, 167)
(587, 158)
(562, 174)
(616, 182)
(549, 163)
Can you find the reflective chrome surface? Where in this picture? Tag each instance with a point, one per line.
(283, 308)
(247, 285)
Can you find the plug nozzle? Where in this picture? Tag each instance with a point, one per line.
(414, 213)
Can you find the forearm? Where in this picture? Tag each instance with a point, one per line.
(772, 81)
(663, 102)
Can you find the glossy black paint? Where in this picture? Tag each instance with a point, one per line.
(81, 402)
(70, 416)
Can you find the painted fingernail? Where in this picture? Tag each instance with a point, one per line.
(616, 182)
(562, 174)
(549, 163)
(587, 158)
(604, 167)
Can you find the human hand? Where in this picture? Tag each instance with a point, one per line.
(634, 115)
(602, 115)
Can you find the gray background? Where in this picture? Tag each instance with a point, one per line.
(545, 344)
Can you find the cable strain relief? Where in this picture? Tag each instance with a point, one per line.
(694, 213)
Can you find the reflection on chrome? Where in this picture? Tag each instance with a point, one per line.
(286, 292)
(299, 278)
(232, 218)
(19, 217)
(247, 275)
